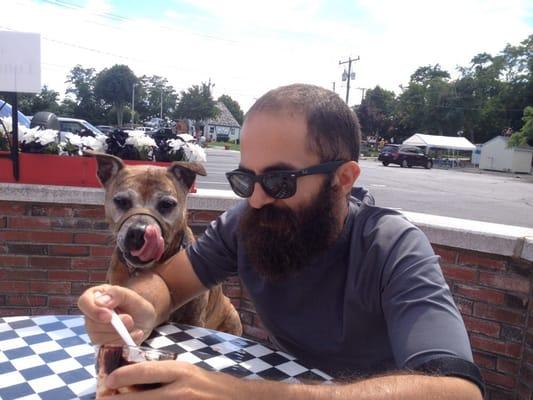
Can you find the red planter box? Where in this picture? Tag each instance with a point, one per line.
(48, 169)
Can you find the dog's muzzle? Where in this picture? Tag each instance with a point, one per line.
(131, 235)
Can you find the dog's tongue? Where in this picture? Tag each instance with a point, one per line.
(153, 247)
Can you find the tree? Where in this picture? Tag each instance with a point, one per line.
(154, 92)
(46, 100)
(376, 112)
(85, 105)
(115, 86)
(197, 103)
(425, 75)
(525, 136)
(233, 107)
(427, 104)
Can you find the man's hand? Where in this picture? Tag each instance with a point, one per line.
(179, 380)
(137, 314)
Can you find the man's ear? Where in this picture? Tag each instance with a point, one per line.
(108, 165)
(186, 172)
(346, 175)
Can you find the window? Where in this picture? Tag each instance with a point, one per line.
(211, 129)
(74, 127)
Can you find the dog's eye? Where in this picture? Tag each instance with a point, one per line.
(166, 206)
(122, 203)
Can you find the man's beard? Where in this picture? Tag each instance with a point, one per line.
(280, 242)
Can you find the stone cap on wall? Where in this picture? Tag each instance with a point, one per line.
(506, 240)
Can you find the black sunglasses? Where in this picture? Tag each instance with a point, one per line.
(277, 184)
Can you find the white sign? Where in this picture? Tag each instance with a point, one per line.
(20, 62)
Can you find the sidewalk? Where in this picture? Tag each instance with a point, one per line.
(474, 170)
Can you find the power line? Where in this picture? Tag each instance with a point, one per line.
(121, 18)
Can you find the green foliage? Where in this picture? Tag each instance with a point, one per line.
(85, 105)
(376, 112)
(115, 86)
(151, 93)
(525, 136)
(487, 98)
(197, 103)
(233, 107)
(46, 100)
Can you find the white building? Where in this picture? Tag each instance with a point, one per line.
(224, 127)
(496, 156)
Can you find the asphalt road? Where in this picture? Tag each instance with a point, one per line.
(471, 194)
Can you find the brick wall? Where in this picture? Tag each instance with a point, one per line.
(494, 295)
(49, 254)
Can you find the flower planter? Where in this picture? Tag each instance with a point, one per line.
(48, 169)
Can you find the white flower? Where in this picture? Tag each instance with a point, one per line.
(8, 125)
(175, 144)
(43, 137)
(97, 143)
(194, 152)
(139, 140)
(74, 139)
(31, 135)
(47, 136)
(6, 122)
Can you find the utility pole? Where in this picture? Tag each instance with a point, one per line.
(349, 75)
(161, 112)
(362, 89)
(133, 104)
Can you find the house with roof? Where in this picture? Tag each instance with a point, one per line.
(224, 127)
(497, 156)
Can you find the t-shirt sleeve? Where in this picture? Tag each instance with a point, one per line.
(214, 254)
(426, 330)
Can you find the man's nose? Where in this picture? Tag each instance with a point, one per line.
(259, 197)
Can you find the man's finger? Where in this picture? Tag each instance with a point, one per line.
(88, 305)
(105, 332)
(145, 372)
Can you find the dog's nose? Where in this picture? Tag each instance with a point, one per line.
(135, 237)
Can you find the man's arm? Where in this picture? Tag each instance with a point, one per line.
(391, 387)
(147, 301)
(169, 286)
(183, 380)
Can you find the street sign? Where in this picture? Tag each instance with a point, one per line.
(20, 62)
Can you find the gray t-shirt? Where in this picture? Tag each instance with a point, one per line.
(376, 301)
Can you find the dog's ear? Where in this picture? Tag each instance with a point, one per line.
(108, 165)
(186, 171)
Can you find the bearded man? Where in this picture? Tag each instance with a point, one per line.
(349, 288)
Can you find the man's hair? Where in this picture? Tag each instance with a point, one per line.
(332, 126)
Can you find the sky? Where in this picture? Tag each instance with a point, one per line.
(246, 47)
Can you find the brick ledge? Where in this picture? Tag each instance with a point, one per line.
(473, 235)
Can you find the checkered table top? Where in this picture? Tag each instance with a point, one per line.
(50, 357)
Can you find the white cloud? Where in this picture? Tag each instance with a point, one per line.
(248, 47)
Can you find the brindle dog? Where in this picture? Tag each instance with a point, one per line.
(146, 208)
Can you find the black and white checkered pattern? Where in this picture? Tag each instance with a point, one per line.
(50, 357)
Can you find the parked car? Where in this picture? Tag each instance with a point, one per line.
(105, 129)
(5, 111)
(145, 129)
(77, 126)
(404, 156)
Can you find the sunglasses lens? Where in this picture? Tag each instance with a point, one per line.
(241, 183)
(279, 186)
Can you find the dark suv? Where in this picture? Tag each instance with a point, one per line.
(404, 156)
